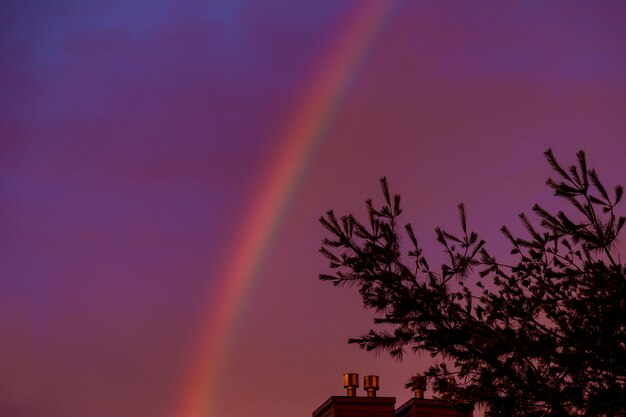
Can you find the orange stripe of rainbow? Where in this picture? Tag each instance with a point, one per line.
(301, 138)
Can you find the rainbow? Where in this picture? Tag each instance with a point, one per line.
(301, 137)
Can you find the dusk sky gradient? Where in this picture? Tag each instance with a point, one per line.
(144, 144)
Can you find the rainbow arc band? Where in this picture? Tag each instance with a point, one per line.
(301, 138)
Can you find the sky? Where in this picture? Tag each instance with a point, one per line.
(163, 166)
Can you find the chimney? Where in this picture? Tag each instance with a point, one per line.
(371, 383)
(351, 383)
(422, 407)
(352, 405)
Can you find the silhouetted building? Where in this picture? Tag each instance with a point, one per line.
(422, 407)
(351, 405)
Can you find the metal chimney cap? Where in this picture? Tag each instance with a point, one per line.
(371, 383)
(351, 383)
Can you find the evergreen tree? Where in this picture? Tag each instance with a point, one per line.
(544, 335)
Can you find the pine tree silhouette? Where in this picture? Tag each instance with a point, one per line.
(544, 336)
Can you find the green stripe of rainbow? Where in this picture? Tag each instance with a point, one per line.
(301, 138)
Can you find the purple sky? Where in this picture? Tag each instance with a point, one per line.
(132, 134)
